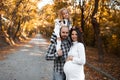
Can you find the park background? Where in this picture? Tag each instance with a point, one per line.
(98, 20)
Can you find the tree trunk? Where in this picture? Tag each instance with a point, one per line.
(0, 24)
(82, 18)
(97, 33)
(18, 28)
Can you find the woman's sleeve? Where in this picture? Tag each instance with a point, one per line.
(81, 58)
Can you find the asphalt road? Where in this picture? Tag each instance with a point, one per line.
(28, 62)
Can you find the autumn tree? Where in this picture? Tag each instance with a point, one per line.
(15, 14)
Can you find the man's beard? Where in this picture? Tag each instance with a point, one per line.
(64, 37)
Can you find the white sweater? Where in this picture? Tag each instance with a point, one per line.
(74, 69)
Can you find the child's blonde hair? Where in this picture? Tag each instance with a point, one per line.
(60, 14)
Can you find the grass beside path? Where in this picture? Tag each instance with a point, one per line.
(110, 65)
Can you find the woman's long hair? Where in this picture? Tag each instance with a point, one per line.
(79, 34)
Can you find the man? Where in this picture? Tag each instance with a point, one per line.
(59, 57)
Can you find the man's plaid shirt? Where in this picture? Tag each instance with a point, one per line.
(58, 60)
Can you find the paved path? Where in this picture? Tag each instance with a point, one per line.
(27, 63)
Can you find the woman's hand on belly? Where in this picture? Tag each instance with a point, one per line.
(69, 58)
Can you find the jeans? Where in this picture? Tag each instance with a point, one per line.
(58, 76)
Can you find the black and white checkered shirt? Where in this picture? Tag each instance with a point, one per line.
(58, 60)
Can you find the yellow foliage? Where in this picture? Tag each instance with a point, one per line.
(114, 36)
(105, 14)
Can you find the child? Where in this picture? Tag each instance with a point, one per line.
(62, 20)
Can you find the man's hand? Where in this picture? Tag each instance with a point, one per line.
(59, 52)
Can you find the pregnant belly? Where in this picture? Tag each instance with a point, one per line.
(73, 71)
(70, 67)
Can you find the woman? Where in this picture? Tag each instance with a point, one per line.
(74, 66)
